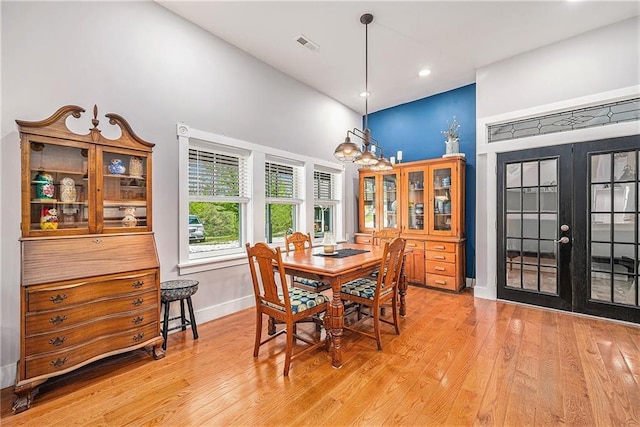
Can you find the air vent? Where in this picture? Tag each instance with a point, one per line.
(304, 41)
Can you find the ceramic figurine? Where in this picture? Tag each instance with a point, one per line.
(67, 190)
(129, 219)
(116, 167)
(44, 186)
(135, 167)
(49, 219)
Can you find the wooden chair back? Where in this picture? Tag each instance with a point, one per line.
(298, 240)
(378, 238)
(265, 286)
(391, 265)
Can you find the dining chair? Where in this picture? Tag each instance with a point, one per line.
(300, 242)
(373, 292)
(379, 237)
(275, 299)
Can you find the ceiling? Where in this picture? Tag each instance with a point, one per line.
(452, 39)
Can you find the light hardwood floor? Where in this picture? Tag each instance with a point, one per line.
(458, 361)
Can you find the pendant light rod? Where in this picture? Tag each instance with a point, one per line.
(366, 19)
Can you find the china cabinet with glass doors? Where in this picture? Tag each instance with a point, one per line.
(429, 208)
(90, 282)
(378, 200)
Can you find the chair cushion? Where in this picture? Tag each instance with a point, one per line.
(363, 288)
(308, 282)
(301, 300)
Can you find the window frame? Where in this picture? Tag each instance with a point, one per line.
(254, 230)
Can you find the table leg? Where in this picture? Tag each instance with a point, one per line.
(402, 290)
(336, 322)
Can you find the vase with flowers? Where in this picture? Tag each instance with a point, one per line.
(452, 143)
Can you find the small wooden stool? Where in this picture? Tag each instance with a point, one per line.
(178, 290)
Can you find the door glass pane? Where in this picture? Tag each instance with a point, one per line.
(530, 278)
(549, 172)
(513, 250)
(624, 289)
(389, 204)
(549, 226)
(530, 226)
(600, 286)
(549, 199)
(514, 275)
(513, 200)
(415, 209)
(601, 168)
(513, 225)
(369, 202)
(548, 280)
(601, 199)
(623, 228)
(624, 166)
(530, 174)
(514, 175)
(530, 199)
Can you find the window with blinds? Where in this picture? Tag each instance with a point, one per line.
(282, 183)
(215, 176)
(324, 186)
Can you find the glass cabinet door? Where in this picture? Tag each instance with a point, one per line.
(125, 191)
(58, 186)
(441, 209)
(414, 209)
(369, 202)
(390, 201)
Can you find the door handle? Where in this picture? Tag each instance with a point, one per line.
(563, 240)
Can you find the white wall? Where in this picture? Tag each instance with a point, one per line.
(599, 66)
(155, 69)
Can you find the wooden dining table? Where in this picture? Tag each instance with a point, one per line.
(336, 271)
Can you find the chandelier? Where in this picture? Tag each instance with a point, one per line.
(349, 151)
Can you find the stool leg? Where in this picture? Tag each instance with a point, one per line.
(192, 319)
(182, 318)
(165, 326)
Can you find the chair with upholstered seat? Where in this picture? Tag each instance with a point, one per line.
(275, 299)
(299, 241)
(374, 292)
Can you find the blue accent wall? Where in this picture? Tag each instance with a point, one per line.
(415, 129)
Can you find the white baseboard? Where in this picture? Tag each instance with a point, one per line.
(8, 372)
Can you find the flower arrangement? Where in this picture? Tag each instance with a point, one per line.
(454, 129)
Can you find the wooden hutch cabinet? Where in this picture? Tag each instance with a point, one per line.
(429, 208)
(90, 280)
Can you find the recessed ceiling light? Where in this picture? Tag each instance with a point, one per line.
(424, 72)
(364, 94)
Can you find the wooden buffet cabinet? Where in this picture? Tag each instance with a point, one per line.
(90, 279)
(424, 201)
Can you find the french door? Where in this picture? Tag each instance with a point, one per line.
(568, 234)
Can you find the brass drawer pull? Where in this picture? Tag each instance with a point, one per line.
(58, 319)
(138, 319)
(138, 337)
(439, 268)
(137, 302)
(440, 282)
(97, 241)
(58, 362)
(439, 247)
(58, 298)
(438, 257)
(138, 284)
(58, 341)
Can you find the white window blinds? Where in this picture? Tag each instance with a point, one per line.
(217, 177)
(324, 186)
(282, 183)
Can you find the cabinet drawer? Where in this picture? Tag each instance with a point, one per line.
(441, 256)
(70, 337)
(414, 244)
(363, 240)
(441, 246)
(55, 320)
(55, 297)
(441, 268)
(64, 360)
(442, 282)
